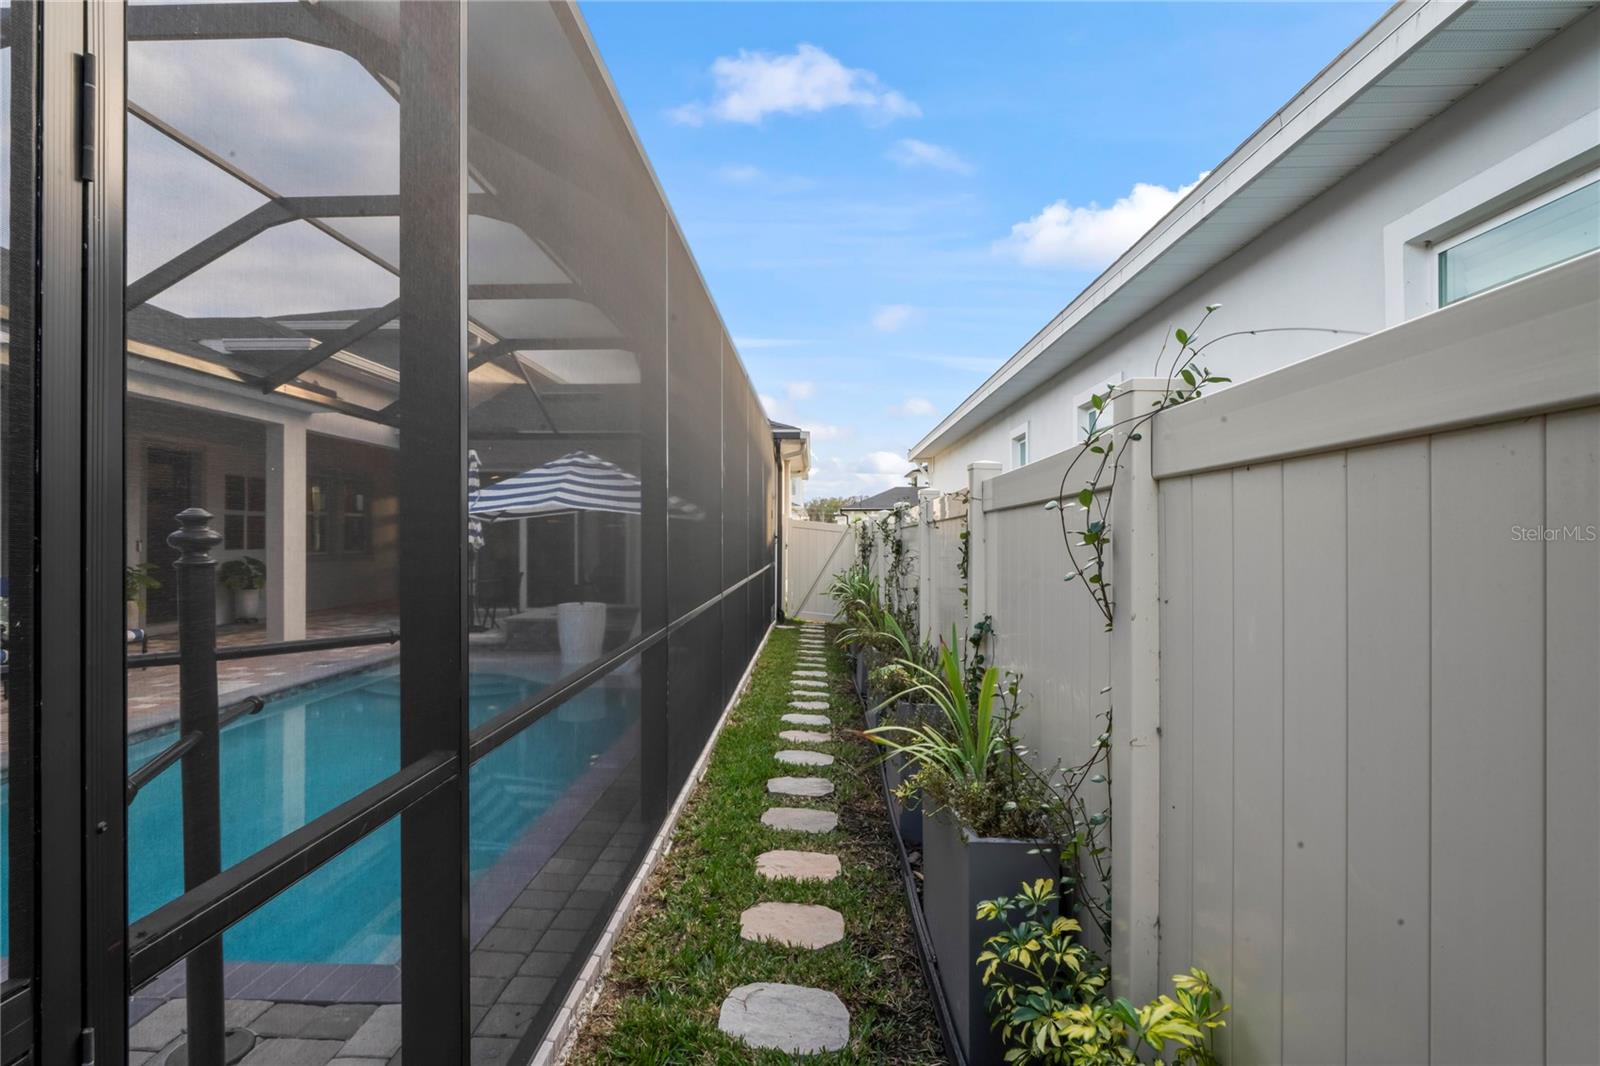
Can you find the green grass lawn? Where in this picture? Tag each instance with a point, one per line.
(681, 954)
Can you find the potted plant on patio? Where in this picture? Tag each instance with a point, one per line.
(137, 579)
(989, 824)
(245, 577)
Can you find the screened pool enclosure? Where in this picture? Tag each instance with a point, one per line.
(388, 519)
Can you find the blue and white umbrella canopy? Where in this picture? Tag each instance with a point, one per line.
(578, 481)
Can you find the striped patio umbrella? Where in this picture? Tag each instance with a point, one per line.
(578, 481)
(474, 522)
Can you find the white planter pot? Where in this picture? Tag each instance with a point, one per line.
(581, 630)
(130, 617)
(247, 604)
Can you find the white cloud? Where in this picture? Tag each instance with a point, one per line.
(1091, 237)
(858, 476)
(753, 85)
(799, 390)
(825, 431)
(914, 407)
(739, 173)
(892, 317)
(910, 152)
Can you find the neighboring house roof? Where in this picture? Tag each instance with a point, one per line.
(784, 431)
(794, 447)
(1414, 62)
(884, 501)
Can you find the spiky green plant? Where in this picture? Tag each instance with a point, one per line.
(968, 734)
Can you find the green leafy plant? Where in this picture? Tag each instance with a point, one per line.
(967, 735)
(1048, 998)
(242, 575)
(137, 579)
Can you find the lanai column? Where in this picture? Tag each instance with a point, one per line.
(286, 530)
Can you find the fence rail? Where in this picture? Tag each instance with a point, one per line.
(1356, 751)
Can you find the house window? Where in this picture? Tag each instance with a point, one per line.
(316, 516)
(1560, 225)
(1088, 418)
(357, 524)
(244, 513)
(1019, 446)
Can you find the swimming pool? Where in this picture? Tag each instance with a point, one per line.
(310, 750)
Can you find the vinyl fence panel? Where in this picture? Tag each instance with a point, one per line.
(1380, 697)
(816, 552)
(1378, 751)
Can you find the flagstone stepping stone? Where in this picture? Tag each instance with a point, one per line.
(794, 925)
(807, 682)
(809, 705)
(807, 719)
(810, 787)
(811, 673)
(797, 865)
(804, 758)
(800, 819)
(790, 1018)
(804, 736)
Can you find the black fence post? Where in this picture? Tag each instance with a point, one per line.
(202, 796)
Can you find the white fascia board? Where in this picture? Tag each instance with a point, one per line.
(1400, 30)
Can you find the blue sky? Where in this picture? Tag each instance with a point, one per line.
(887, 200)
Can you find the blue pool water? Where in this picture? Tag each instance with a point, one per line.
(305, 753)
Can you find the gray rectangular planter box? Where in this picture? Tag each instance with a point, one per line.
(910, 818)
(960, 871)
(899, 767)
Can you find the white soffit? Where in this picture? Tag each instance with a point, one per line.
(1415, 61)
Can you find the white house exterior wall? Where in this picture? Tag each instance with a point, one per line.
(1328, 264)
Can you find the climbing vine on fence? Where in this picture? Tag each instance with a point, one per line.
(900, 593)
(1186, 379)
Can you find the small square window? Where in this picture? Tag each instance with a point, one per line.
(1019, 450)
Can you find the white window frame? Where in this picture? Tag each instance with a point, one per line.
(1085, 403)
(1411, 243)
(1572, 184)
(1018, 435)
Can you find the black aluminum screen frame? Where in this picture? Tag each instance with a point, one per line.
(94, 960)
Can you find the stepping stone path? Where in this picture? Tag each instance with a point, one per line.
(800, 819)
(792, 757)
(804, 736)
(797, 865)
(794, 925)
(809, 787)
(791, 1018)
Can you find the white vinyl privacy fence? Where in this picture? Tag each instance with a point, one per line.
(1356, 681)
(813, 553)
